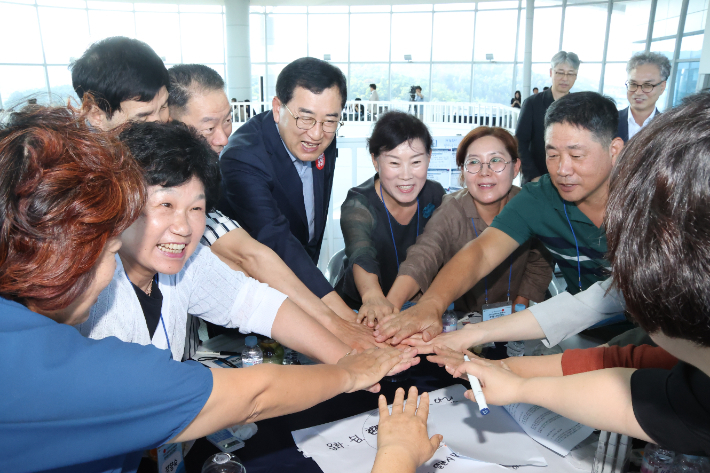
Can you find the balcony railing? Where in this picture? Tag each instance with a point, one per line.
(468, 113)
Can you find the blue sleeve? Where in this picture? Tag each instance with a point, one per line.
(68, 400)
(247, 197)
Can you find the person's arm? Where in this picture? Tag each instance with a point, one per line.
(523, 133)
(600, 399)
(260, 392)
(403, 443)
(462, 272)
(374, 303)
(237, 248)
(247, 198)
(537, 274)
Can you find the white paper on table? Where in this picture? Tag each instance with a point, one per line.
(555, 432)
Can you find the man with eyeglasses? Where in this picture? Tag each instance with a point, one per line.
(277, 171)
(530, 131)
(647, 74)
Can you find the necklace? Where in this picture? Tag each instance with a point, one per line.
(150, 288)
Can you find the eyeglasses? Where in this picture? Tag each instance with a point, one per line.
(569, 75)
(303, 123)
(474, 165)
(633, 86)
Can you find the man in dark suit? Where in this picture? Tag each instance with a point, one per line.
(530, 131)
(277, 170)
(647, 74)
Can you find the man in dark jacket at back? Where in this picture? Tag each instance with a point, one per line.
(530, 131)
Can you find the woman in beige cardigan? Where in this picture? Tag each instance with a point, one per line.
(488, 159)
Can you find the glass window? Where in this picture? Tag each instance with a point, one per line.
(540, 76)
(162, 32)
(321, 43)
(584, 31)
(410, 8)
(362, 75)
(450, 82)
(18, 83)
(588, 77)
(155, 7)
(546, 33)
(201, 8)
(286, 9)
(60, 42)
(62, 3)
(665, 47)
(101, 5)
(104, 24)
(628, 29)
(691, 46)
(257, 38)
(258, 71)
(614, 80)
(697, 13)
(497, 5)
(495, 33)
(666, 21)
(411, 34)
(453, 36)
(521, 36)
(286, 37)
(370, 37)
(21, 30)
(404, 76)
(686, 79)
(273, 73)
(335, 9)
(369, 8)
(454, 6)
(519, 79)
(202, 38)
(491, 83)
(60, 83)
(256, 9)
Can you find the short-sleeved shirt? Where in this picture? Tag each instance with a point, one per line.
(216, 226)
(673, 407)
(72, 404)
(371, 243)
(539, 211)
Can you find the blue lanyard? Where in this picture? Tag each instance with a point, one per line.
(579, 266)
(396, 255)
(155, 281)
(485, 280)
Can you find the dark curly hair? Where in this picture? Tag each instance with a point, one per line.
(65, 189)
(171, 154)
(658, 223)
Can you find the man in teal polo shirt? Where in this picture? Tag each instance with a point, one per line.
(564, 210)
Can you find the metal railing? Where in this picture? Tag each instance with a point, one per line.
(355, 111)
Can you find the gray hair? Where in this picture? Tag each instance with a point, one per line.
(564, 57)
(186, 79)
(659, 60)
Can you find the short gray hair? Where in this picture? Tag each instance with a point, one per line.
(186, 79)
(659, 60)
(564, 57)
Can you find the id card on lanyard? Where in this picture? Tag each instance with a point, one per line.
(497, 309)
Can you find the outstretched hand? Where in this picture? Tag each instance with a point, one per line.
(396, 327)
(403, 443)
(500, 385)
(374, 309)
(368, 368)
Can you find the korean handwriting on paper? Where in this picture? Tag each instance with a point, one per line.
(440, 465)
(335, 446)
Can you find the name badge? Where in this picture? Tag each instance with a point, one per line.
(499, 309)
(170, 458)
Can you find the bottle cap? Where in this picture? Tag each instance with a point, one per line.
(221, 458)
(519, 307)
(250, 341)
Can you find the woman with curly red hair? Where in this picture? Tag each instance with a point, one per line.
(69, 403)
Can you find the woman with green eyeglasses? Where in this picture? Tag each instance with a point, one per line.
(488, 159)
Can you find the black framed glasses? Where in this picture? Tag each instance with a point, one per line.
(304, 123)
(474, 165)
(647, 88)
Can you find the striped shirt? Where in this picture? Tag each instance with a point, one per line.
(539, 211)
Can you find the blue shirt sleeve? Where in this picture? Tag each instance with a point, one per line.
(77, 401)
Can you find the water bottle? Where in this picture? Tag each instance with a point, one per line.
(691, 464)
(223, 463)
(252, 355)
(449, 319)
(657, 459)
(516, 348)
